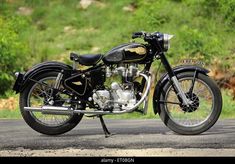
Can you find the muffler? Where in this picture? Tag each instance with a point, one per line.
(51, 110)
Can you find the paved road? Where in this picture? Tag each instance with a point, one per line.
(129, 134)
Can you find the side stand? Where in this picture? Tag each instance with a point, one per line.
(106, 131)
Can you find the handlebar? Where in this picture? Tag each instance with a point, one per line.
(162, 40)
(146, 36)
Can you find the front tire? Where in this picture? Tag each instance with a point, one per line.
(201, 115)
(42, 123)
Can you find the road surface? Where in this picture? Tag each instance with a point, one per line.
(131, 137)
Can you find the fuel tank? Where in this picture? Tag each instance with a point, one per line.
(126, 53)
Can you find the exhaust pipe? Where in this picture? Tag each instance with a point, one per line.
(63, 110)
(51, 110)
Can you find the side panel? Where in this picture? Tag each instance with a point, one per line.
(22, 79)
(165, 78)
(82, 83)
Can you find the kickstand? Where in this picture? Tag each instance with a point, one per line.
(106, 131)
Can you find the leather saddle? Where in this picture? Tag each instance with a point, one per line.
(87, 60)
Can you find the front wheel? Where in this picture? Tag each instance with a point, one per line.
(196, 118)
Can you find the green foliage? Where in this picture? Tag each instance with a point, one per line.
(225, 9)
(10, 114)
(228, 105)
(200, 42)
(13, 51)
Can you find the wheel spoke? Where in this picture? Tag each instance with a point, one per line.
(170, 102)
(192, 84)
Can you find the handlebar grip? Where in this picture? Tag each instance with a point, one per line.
(137, 35)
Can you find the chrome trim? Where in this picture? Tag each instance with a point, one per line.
(166, 40)
(148, 80)
(74, 65)
(35, 109)
(17, 74)
(51, 110)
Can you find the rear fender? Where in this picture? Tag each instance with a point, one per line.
(23, 79)
(165, 78)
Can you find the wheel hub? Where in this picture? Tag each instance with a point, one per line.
(193, 106)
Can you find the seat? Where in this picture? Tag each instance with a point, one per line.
(87, 59)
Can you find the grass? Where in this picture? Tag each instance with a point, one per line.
(10, 114)
(228, 110)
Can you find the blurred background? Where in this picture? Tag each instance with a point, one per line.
(33, 31)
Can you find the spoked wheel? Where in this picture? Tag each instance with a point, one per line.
(39, 94)
(201, 114)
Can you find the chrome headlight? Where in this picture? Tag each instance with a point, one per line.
(166, 41)
(17, 74)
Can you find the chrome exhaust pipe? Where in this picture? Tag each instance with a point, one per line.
(63, 110)
(51, 110)
(144, 97)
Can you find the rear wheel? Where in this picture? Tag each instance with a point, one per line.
(36, 95)
(198, 117)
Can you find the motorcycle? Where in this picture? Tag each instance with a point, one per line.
(55, 96)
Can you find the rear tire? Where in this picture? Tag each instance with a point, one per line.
(35, 124)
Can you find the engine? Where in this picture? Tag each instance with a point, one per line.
(118, 95)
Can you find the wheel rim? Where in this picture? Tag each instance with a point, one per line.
(35, 99)
(199, 113)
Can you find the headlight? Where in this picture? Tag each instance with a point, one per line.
(166, 41)
(17, 74)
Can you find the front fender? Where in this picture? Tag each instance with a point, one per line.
(23, 78)
(165, 78)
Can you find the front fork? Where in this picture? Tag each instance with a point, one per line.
(175, 83)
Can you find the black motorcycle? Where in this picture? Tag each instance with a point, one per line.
(55, 96)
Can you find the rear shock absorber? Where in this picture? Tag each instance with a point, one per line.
(58, 80)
